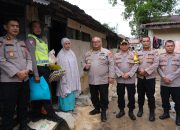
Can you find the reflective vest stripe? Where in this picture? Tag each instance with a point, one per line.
(41, 52)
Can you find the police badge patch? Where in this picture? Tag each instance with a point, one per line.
(11, 52)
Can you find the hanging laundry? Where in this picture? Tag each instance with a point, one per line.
(157, 43)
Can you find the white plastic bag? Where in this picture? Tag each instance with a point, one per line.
(52, 58)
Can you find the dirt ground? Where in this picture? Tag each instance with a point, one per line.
(84, 121)
(87, 122)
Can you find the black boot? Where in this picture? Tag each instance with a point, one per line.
(94, 112)
(25, 127)
(131, 115)
(140, 112)
(165, 115)
(103, 116)
(177, 118)
(51, 115)
(151, 115)
(55, 118)
(120, 114)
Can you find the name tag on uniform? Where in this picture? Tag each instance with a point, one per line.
(102, 54)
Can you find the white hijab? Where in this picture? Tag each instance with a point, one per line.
(71, 80)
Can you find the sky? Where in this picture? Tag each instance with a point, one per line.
(103, 12)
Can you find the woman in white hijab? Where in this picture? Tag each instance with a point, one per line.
(69, 86)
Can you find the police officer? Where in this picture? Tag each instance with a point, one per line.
(125, 69)
(100, 66)
(149, 61)
(38, 49)
(15, 64)
(169, 70)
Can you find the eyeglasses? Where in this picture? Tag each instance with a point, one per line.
(96, 41)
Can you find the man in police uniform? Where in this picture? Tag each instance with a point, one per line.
(125, 69)
(38, 49)
(15, 64)
(169, 70)
(99, 64)
(149, 61)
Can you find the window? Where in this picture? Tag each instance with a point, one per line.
(76, 34)
(71, 33)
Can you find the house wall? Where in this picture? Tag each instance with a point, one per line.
(81, 47)
(166, 34)
(78, 26)
(78, 46)
(75, 25)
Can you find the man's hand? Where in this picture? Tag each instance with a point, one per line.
(111, 80)
(87, 66)
(37, 79)
(125, 76)
(26, 72)
(22, 74)
(166, 80)
(142, 72)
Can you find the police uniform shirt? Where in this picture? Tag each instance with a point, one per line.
(169, 66)
(102, 66)
(124, 63)
(149, 61)
(14, 57)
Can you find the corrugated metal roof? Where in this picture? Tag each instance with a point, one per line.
(165, 20)
(161, 23)
(44, 2)
(78, 14)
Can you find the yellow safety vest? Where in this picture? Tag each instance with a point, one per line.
(41, 52)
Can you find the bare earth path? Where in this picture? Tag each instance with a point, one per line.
(87, 122)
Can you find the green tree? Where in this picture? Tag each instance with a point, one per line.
(142, 11)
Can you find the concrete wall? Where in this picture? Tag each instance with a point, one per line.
(165, 34)
(80, 48)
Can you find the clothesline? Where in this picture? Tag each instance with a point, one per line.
(158, 43)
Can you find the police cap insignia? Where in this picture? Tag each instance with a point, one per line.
(124, 42)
